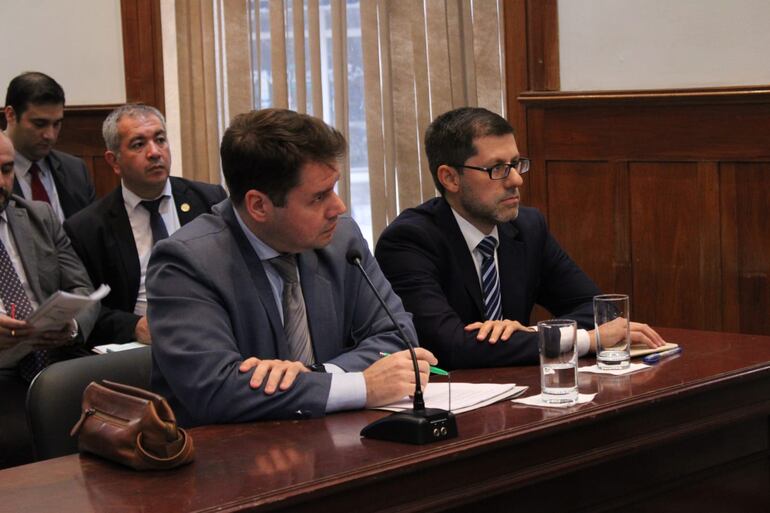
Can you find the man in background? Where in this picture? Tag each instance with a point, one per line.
(471, 264)
(34, 111)
(254, 310)
(115, 236)
(36, 260)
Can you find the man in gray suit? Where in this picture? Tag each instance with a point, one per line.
(254, 311)
(36, 260)
(34, 112)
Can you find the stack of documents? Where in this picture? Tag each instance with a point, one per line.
(52, 315)
(465, 396)
(114, 348)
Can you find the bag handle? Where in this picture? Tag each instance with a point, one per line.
(183, 456)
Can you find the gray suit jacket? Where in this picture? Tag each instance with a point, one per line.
(211, 306)
(49, 260)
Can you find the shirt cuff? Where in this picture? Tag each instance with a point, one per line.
(582, 339)
(583, 342)
(347, 391)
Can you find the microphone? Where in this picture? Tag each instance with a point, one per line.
(420, 425)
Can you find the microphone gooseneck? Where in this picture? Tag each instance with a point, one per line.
(353, 257)
(420, 425)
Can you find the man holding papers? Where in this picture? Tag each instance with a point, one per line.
(36, 260)
(471, 264)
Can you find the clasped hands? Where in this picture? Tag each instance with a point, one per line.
(387, 380)
(14, 331)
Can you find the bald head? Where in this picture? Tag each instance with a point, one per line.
(6, 170)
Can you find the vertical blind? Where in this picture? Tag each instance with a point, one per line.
(378, 70)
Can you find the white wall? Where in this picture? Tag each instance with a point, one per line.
(660, 44)
(77, 42)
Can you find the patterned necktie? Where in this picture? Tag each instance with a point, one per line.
(17, 304)
(158, 227)
(294, 314)
(490, 284)
(38, 189)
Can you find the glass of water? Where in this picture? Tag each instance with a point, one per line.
(558, 361)
(612, 321)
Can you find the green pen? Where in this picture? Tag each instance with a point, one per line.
(434, 370)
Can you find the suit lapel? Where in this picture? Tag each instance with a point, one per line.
(17, 188)
(261, 283)
(188, 203)
(319, 306)
(459, 250)
(123, 237)
(60, 180)
(18, 222)
(511, 256)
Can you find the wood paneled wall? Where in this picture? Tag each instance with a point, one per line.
(659, 194)
(81, 135)
(662, 196)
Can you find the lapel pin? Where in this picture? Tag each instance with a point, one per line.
(185, 207)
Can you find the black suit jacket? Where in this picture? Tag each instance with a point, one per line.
(72, 179)
(425, 257)
(101, 234)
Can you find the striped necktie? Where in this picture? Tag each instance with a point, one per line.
(490, 284)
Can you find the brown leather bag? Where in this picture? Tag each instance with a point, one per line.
(131, 426)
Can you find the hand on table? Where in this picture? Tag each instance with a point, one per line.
(391, 378)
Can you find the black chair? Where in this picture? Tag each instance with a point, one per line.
(54, 396)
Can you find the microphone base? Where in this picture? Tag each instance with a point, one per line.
(413, 427)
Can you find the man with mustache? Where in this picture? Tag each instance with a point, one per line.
(114, 236)
(34, 112)
(36, 260)
(471, 264)
(254, 310)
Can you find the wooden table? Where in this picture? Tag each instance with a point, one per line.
(691, 431)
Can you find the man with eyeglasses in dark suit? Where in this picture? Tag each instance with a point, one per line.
(470, 265)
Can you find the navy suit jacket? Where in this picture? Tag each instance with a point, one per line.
(101, 234)
(211, 307)
(49, 262)
(425, 257)
(73, 182)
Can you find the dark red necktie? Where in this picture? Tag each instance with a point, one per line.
(38, 190)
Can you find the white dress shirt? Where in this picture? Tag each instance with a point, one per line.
(139, 218)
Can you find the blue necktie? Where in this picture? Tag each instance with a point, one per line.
(158, 227)
(490, 284)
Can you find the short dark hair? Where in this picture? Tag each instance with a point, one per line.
(449, 139)
(32, 87)
(265, 150)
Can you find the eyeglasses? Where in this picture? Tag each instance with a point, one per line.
(500, 171)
